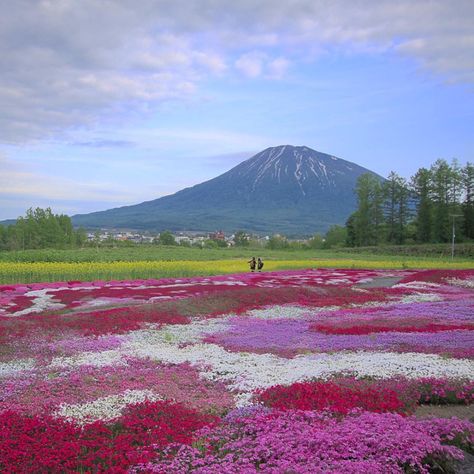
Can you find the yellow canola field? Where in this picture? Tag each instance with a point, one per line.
(11, 272)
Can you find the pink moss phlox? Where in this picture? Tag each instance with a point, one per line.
(46, 391)
(303, 442)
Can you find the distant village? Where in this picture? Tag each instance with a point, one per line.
(193, 239)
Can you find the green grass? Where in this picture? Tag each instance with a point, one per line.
(175, 262)
(160, 253)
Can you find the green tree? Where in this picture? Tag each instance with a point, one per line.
(421, 184)
(241, 239)
(316, 242)
(396, 195)
(3, 237)
(336, 236)
(68, 235)
(277, 242)
(166, 238)
(96, 239)
(368, 219)
(468, 204)
(446, 191)
(441, 174)
(210, 244)
(80, 237)
(40, 228)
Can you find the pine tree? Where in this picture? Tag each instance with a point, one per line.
(468, 204)
(441, 189)
(421, 185)
(368, 220)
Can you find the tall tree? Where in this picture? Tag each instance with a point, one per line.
(421, 185)
(40, 228)
(396, 207)
(441, 191)
(368, 219)
(468, 204)
(336, 236)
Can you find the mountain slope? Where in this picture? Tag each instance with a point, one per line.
(286, 189)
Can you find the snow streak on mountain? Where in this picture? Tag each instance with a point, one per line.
(287, 189)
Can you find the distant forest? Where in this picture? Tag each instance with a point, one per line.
(40, 229)
(422, 210)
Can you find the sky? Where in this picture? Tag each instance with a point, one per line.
(105, 103)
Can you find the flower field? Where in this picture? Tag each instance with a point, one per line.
(167, 267)
(295, 371)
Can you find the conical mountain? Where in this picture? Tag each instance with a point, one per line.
(292, 190)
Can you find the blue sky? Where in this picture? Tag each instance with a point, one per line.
(106, 104)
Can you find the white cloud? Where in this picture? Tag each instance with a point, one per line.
(256, 64)
(66, 64)
(250, 64)
(278, 67)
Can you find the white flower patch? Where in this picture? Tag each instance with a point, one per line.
(338, 281)
(230, 283)
(204, 282)
(10, 369)
(105, 408)
(468, 283)
(288, 312)
(417, 285)
(420, 298)
(172, 335)
(245, 372)
(42, 300)
(182, 333)
(104, 301)
(95, 359)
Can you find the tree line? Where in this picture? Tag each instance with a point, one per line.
(39, 229)
(392, 211)
(419, 210)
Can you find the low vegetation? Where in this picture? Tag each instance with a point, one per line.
(28, 272)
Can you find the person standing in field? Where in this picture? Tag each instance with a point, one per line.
(259, 264)
(252, 263)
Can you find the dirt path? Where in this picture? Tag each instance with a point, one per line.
(380, 282)
(464, 412)
(466, 466)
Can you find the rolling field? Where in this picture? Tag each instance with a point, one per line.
(307, 370)
(177, 262)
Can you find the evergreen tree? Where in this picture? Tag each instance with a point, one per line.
(396, 207)
(421, 185)
(468, 204)
(441, 190)
(390, 188)
(368, 219)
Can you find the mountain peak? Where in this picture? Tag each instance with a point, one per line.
(288, 189)
(308, 169)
